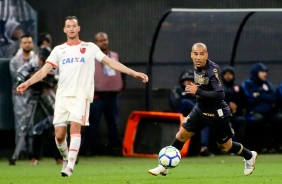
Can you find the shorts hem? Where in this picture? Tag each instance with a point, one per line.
(79, 122)
(60, 124)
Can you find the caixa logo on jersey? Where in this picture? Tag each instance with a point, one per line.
(73, 60)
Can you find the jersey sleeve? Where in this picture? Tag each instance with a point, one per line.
(53, 58)
(216, 93)
(99, 55)
(216, 81)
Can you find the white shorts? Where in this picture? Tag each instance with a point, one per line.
(69, 109)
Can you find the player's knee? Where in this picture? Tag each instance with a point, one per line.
(181, 136)
(60, 139)
(75, 128)
(225, 147)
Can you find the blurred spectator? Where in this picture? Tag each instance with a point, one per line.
(14, 15)
(26, 57)
(279, 97)
(45, 41)
(44, 130)
(108, 85)
(236, 99)
(278, 128)
(182, 102)
(10, 41)
(261, 115)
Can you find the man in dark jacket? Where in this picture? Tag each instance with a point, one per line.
(108, 85)
(262, 117)
(183, 102)
(236, 99)
(279, 125)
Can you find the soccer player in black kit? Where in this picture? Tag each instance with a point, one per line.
(210, 110)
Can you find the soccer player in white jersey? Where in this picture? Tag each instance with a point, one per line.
(75, 60)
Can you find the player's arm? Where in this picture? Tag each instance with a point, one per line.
(122, 68)
(38, 76)
(218, 92)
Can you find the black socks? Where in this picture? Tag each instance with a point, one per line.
(177, 144)
(238, 149)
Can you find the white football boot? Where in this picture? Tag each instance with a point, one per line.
(250, 164)
(67, 172)
(159, 170)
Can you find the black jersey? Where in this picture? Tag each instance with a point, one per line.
(210, 93)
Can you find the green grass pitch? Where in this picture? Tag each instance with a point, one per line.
(223, 169)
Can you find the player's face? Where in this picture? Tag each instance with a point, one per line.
(199, 56)
(262, 75)
(71, 28)
(26, 44)
(102, 42)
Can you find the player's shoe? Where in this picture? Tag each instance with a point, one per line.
(159, 170)
(250, 164)
(67, 172)
(64, 165)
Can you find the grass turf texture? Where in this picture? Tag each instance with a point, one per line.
(115, 170)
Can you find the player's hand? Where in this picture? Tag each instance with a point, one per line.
(141, 76)
(191, 88)
(22, 87)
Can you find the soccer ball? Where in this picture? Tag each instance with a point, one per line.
(169, 157)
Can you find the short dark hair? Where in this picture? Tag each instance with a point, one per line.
(26, 36)
(44, 37)
(71, 17)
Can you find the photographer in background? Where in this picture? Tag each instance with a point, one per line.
(22, 59)
(43, 131)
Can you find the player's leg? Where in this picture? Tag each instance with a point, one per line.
(191, 124)
(78, 115)
(60, 139)
(224, 139)
(75, 141)
(61, 142)
(181, 137)
(238, 149)
(60, 123)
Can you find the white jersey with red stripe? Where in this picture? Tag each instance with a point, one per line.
(76, 68)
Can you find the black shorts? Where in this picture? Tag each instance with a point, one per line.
(196, 121)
